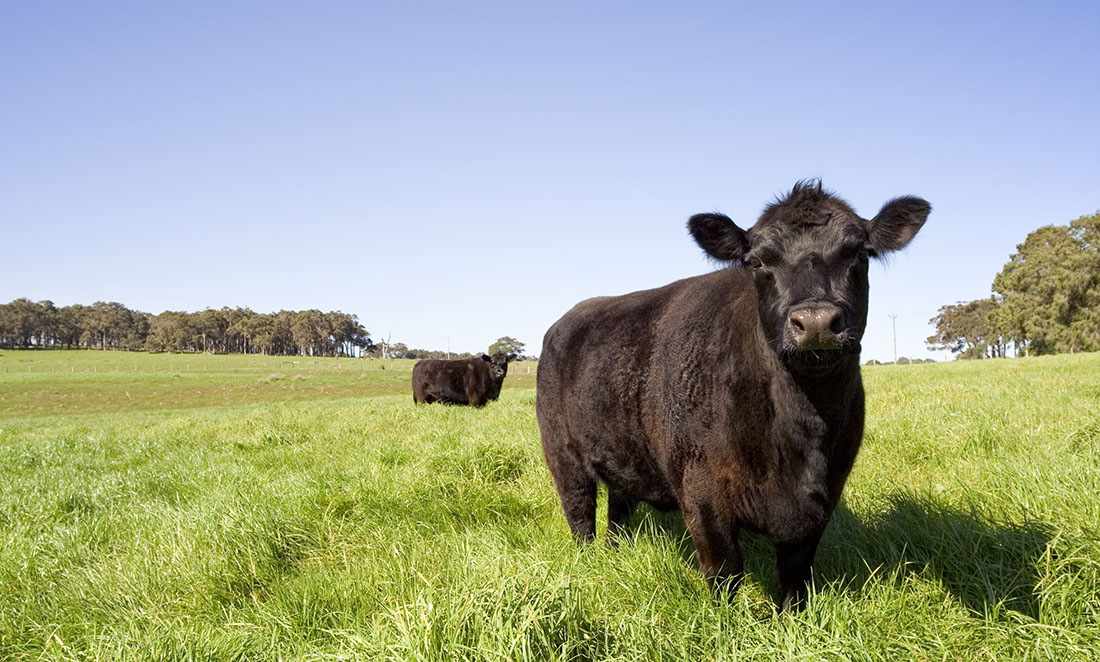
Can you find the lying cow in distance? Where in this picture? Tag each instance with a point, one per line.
(473, 381)
(735, 396)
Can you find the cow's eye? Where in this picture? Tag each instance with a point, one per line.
(856, 253)
(754, 262)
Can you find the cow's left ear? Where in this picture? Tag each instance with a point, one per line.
(512, 357)
(897, 223)
(719, 236)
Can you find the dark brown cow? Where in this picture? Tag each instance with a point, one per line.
(735, 396)
(473, 381)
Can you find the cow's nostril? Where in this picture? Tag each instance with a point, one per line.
(836, 325)
(797, 325)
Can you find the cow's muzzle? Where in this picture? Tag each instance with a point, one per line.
(816, 328)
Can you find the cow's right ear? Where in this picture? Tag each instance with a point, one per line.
(486, 358)
(719, 236)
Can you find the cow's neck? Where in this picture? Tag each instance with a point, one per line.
(831, 393)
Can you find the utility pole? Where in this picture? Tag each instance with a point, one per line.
(894, 324)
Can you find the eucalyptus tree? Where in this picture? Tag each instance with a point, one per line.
(1051, 289)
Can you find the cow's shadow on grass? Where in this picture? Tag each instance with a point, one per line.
(988, 566)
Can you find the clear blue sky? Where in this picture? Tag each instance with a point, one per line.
(455, 172)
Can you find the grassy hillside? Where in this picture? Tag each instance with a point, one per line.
(348, 525)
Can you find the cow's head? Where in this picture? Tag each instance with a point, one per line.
(808, 255)
(498, 364)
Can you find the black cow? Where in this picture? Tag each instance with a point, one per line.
(735, 396)
(473, 381)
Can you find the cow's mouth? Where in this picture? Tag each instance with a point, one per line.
(817, 361)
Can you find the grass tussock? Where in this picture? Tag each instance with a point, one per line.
(372, 528)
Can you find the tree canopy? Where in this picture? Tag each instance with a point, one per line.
(507, 345)
(1051, 289)
(964, 329)
(1046, 299)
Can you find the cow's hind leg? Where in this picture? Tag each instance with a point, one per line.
(577, 491)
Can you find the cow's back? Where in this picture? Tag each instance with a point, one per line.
(614, 369)
(615, 353)
(454, 381)
(440, 380)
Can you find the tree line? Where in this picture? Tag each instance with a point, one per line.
(30, 324)
(26, 324)
(1046, 299)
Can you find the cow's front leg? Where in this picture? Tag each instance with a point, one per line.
(474, 399)
(795, 560)
(473, 386)
(619, 509)
(716, 547)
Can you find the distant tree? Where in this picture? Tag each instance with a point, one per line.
(233, 342)
(1051, 290)
(282, 336)
(209, 327)
(965, 329)
(307, 330)
(347, 333)
(242, 330)
(45, 323)
(263, 333)
(168, 332)
(507, 345)
(69, 325)
(135, 330)
(111, 325)
(20, 321)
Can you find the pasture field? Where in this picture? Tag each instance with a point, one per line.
(88, 381)
(247, 522)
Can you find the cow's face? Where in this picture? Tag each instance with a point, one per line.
(498, 364)
(808, 256)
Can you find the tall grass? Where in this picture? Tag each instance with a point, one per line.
(371, 528)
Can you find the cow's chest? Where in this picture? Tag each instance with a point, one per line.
(767, 454)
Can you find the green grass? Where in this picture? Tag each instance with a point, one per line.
(348, 525)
